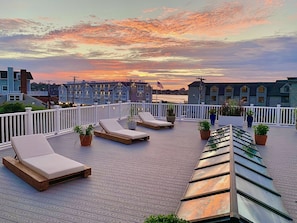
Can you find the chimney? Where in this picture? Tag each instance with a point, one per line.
(24, 81)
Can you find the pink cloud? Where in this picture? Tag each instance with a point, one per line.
(227, 19)
(17, 23)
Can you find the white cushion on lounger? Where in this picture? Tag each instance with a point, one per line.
(159, 123)
(147, 117)
(130, 133)
(112, 126)
(31, 145)
(35, 152)
(53, 165)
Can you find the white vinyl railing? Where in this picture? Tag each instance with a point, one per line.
(61, 120)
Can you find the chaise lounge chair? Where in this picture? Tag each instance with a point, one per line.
(149, 121)
(114, 131)
(38, 164)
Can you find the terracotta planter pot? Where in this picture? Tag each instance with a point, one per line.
(85, 140)
(204, 134)
(260, 139)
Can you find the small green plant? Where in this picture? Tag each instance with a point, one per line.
(249, 113)
(212, 111)
(232, 107)
(204, 125)
(171, 218)
(132, 112)
(82, 130)
(261, 129)
(170, 111)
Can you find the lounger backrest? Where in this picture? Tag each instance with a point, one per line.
(30, 146)
(110, 125)
(146, 116)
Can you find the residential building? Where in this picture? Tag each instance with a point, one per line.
(13, 84)
(282, 92)
(103, 92)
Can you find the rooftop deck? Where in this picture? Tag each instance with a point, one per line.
(131, 182)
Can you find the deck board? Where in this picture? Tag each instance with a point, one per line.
(131, 182)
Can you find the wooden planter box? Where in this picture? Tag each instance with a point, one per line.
(233, 120)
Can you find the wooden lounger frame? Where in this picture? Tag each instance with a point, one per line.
(117, 138)
(36, 180)
(151, 126)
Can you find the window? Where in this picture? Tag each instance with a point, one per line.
(4, 88)
(229, 89)
(261, 100)
(244, 99)
(285, 89)
(213, 98)
(261, 89)
(214, 89)
(244, 89)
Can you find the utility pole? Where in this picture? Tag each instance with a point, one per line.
(200, 88)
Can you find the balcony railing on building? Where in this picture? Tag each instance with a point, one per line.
(62, 120)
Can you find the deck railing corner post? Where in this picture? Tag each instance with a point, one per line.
(57, 119)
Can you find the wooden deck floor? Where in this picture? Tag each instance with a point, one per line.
(131, 182)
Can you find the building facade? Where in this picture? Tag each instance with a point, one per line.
(89, 93)
(283, 92)
(14, 84)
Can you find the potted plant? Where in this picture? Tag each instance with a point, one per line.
(204, 127)
(261, 131)
(85, 134)
(212, 115)
(249, 118)
(170, 117)
(231, 113)
(131, 120)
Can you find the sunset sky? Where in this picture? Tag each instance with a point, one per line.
(171, 41)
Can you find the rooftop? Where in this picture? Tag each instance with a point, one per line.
(131, 182)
